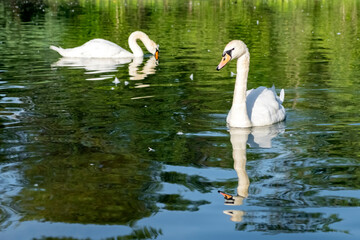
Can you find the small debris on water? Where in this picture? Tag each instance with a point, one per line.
(116, 81)
(192, 76)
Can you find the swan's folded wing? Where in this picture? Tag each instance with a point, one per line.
(264, 107)
(96, 48)
(100, 48)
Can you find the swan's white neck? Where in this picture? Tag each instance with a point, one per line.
(135, 48)
(238, 116)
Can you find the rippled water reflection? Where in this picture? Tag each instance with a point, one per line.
(139, 148)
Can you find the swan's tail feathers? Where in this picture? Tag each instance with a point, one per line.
(282, 95)
(57, 49)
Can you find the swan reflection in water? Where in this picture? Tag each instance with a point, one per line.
(109, 65)
(256, 137)
(148, 69)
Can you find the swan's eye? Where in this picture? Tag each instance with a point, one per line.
(229, 52)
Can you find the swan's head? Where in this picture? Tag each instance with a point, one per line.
(234, 49)
(154, 49)
(150, 45)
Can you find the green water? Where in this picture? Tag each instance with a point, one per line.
(84, 158)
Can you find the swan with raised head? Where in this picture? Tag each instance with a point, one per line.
(100, 48)
(255, 107)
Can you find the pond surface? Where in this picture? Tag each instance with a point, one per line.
(84, 158)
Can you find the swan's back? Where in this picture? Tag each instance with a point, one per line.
(95, 48)
(264, 106)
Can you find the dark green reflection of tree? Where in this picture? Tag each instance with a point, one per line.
(143, 233)
(28, 10)
(88, 188)
(92, 186)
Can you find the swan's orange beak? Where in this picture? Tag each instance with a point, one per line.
(226, 58)
(226, 196)
(157, 54)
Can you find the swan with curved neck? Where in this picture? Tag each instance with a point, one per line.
(100, 48)
(255, 107)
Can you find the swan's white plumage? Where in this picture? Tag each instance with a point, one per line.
(95, 48)
(264, 106)
(101, 48)
(255, 107)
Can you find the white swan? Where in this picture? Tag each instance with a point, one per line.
(100, 48)
(255, 107)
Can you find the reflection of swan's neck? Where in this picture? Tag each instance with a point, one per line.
(236, 215)
(134, 46)
(149, 68)
(238, 110)
(133, 66)
(238, 140)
